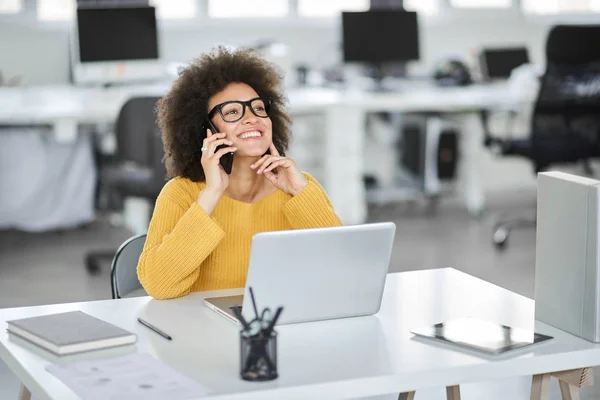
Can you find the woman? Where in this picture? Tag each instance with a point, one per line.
(201, 231)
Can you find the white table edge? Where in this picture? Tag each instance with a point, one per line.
(384, 384)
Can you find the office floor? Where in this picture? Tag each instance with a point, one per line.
(42, 268)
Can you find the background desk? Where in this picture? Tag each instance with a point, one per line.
(348, 358)
(64, 108)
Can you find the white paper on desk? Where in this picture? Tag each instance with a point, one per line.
(133, 377)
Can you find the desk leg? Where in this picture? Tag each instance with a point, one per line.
(453, 392)
(137, 214)
(65, 130)
(540, 387)
(407, 396)
(568, 392)
(571, 381)
(24, 393)
(470, 172)
(344, 162)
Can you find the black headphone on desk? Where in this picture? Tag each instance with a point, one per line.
(452, 73)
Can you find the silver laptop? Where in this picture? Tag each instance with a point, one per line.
(315, 274)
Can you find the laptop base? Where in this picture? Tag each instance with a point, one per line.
(223, 305)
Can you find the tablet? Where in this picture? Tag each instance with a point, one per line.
(481, 335)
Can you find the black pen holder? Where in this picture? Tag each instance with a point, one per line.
(258, 357)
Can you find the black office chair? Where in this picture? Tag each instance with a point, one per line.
(565, 125)
(138, 169)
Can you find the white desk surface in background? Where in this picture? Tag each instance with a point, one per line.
(64, 107)
(52, 103)
(354, 357)
(49, 104)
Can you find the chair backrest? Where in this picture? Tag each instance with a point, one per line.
(123, 275)
(137, 131)
(568, 102)
(139, 139)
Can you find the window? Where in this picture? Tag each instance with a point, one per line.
(426, 7)
(481, 3)
(64, 10)
(55, 10)
(330, 8)
(247, 8)
(560, 6)
(179, 9)
(10, 6)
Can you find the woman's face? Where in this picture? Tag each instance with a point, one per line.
(252, 135)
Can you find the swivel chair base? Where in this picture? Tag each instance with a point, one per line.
(93, 260)
(503, 229)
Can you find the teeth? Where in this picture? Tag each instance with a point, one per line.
(246, 135)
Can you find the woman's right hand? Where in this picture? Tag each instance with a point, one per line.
(216, 178)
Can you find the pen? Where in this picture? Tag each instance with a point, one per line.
(253, 302)
(155, 329)
(240, 317)
(273, 322)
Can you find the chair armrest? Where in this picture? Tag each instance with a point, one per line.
(495, 144)
(484, 116)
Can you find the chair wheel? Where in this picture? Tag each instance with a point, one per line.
(500, 238)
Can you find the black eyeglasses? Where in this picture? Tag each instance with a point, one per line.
(233, 111)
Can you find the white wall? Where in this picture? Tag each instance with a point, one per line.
(41, 51)
(40, 54)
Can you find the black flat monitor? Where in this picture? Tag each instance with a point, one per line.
(117, 34)
(380, 36)
(498, 63)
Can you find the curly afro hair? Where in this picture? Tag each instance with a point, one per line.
(181, 112)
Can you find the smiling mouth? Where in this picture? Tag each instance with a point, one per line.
(250, 135)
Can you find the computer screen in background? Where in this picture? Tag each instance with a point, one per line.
(498, 63)
(115, 34)
(380, 38)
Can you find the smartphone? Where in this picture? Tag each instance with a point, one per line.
(227, 159)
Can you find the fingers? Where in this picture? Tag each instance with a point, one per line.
(273, 149)
(270, 176)
(265, 161)
(274, 165)
(211, 137)
(259, 162)
(212, 147)
(220, 153)
(274, 161)
(212, 142)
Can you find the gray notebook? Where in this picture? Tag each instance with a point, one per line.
(70, 332)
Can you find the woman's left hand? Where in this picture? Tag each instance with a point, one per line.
(289, 177)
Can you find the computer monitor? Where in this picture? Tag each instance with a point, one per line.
(380, 36)
(112, 34)
(498, 63)
(116, 44)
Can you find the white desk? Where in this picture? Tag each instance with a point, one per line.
(354, 357)
(345, 131)
(345, 111)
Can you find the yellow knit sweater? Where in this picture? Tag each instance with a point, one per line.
(187, 250)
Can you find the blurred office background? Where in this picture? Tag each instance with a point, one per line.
(412, 115)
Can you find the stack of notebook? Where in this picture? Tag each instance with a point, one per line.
(70, 332)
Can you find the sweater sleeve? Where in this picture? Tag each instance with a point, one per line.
(311, 208)
(180, 237)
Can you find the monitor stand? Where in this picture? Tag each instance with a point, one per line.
(382, 70)
(379, 87)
